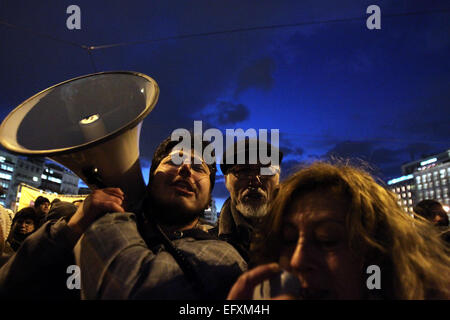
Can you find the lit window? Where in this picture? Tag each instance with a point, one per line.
(53, 179)
(403, 188)
(409, 194)
(5, 176)
(418, 179)
(408, 187)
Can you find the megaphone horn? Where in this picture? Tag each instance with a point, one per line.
(91, 125)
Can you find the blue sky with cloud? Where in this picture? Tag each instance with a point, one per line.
(311, 69)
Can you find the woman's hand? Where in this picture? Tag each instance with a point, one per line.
(246, 283)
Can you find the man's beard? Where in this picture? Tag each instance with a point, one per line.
(170, 214)
(253, 203)
(252, 211)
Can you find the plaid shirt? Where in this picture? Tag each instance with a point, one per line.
(116, 263)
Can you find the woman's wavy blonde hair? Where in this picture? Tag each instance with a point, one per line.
(414, 261)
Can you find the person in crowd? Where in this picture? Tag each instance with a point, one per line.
(6, 217)
(25, 222)
(54, 201)
(42, 207)
(38, 270)
(166, 255)
(333, 227)
(159, 252)
(433, 211)
(60, 209)
(251, 191)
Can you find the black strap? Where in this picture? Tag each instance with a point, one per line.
(184, 263)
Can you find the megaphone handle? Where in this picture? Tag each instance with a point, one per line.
(93, 177)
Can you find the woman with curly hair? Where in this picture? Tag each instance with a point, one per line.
(329, 223)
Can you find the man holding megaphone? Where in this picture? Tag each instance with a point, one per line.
(157, 252)
(162, 253)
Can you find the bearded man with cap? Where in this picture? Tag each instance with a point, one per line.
(251, 182)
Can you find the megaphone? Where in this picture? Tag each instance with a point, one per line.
(91, 125)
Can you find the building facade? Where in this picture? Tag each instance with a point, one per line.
(427, 178)
(210, 215)
(35, 172)
(405, 189)
(7, 166)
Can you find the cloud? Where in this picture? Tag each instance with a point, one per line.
(378, 159)
(226, 113)
(292, 151)
(289, 167)
(350, 149)
(289, 147)
(383, 160)
(257, 75)
(418, 150)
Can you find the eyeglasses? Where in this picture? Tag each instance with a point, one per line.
(246, 172)
(201, 169)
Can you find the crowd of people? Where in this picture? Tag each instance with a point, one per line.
(325, 226)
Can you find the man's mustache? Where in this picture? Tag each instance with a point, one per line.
(251, 191)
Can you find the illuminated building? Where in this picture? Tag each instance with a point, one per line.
(35, 172)
(427, 178)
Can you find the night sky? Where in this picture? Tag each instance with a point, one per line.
(311, 69)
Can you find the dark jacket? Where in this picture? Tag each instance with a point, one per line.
(38, 270)
(235, 229)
